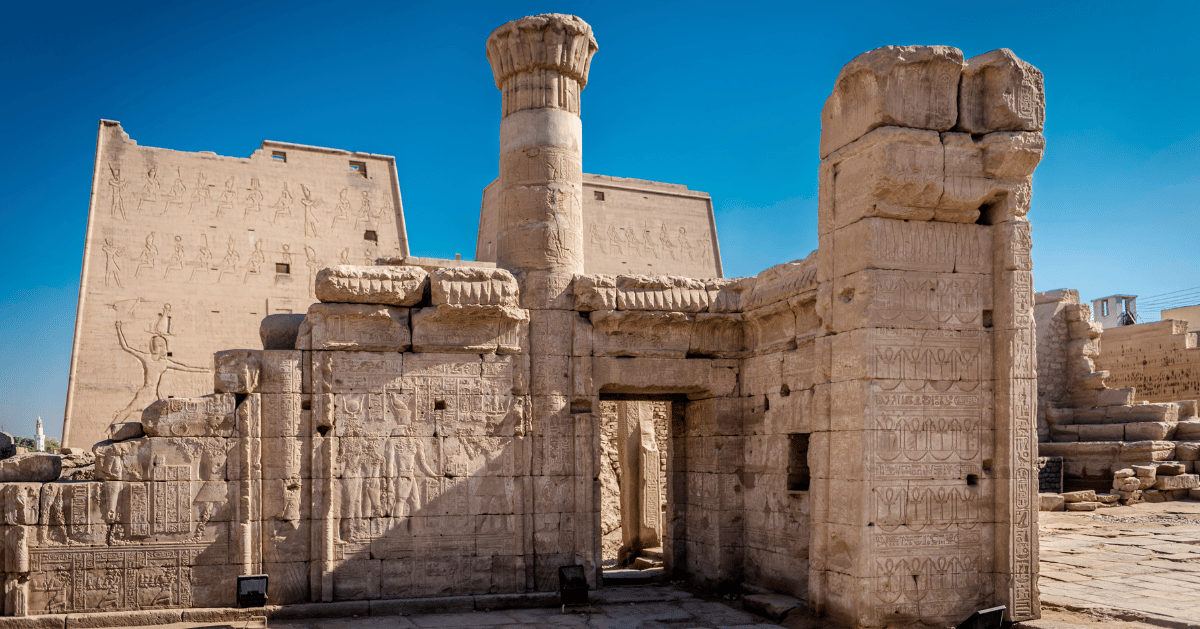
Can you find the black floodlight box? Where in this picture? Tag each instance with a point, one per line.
(991, 618)
(572, 585)
(252, 590)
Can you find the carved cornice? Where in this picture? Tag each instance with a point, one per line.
(541, 61)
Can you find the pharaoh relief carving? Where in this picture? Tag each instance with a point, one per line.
(666, 242)
(155, 362)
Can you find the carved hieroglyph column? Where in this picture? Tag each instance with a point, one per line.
(540, 65)
(923, 483)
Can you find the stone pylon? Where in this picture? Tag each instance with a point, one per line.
(540, 65)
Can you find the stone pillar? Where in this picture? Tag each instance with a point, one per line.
(926, 298)
(540, 65)
(641, 495)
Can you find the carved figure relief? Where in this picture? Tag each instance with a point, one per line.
(154, 364)
(112, 266)
(203, 258)
(227, 198)
(201, 195)
(150, 190)
(175, 263)
(230, 262)
(364, 211)
(283, 207)
(176, 193)
(342, 210)
(117, 186)
(253, 200)
(310, 217)
(254, 264)
(147, 257)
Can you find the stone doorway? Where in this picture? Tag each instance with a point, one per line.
(635, 433)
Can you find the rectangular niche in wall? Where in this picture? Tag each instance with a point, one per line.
(797, 470)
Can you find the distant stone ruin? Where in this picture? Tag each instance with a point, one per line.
(856, 429)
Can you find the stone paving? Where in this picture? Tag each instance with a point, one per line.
(1144, 559)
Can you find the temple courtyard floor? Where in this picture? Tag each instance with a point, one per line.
(1132, 567)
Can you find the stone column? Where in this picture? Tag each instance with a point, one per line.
(540, 65)
(923, 483)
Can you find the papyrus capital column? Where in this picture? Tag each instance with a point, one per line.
(540, 65)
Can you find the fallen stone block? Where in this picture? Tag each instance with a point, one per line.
(1131, 483)
(1175, 494)
(279, 331)
(1107, 498)
(1115, 397)
(1141, 451)
(1161, 412)
(1052, 502)
(1171, 468)
(773, 606)
(1145, 470)
(33, 467)
(124, 430)
(387, 285)
(1194, 494)
(1146, 482)
(1131, 497)
(1101, 432)
(1124, 472)
(1083, 506)
(1187, 450)
(1080, 496)
(1153, 495)
(1182, 481)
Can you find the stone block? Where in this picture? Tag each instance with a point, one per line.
(891, 172)
(473, 286)
(1145, 470)
(237, 371)
(1187, 450)
(930, 246)
(279, 331)
(1051, 502)
(362, 327)
(782, 282)
(1082, 506)
(1153, 495)
(644, 334)
(1187, 430)
(718, 336)
(470, 329)
(1130, 497)
(1000, 92)
(1148, 431)
(1012, 156)
(1194, 494)
(1079, 496)
(660, 292)
(1131, 483)
(1101, 432)
(208, 416)
(1107, 498)
(387, 285)
(1114, 397)
(773, 606)
(771, 328)
(1145, 482)
(1170, 468)
(732, 296)
(905, 86)
(1180, 481)
(882, 299)
(595, 292)
(1124, 472)
(125, 430)
(1147, 451)
(20, 502)
(1175, 494)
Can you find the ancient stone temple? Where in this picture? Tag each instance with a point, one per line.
(856, 428)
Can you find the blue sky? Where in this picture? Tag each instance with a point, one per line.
(722, 97)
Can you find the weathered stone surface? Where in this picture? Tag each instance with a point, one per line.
(1000, 92)
(1107, 498)
(1170, 468)
(595, 292)
(31, 467)
(125, 430)
(773, 606)
(658, 292)
(647, 334)
(782, 282)
(238, 371)
(364, 327)
(208, 416)
(904, 86)
(1051, 502)
(734, 295)
(1187, 450)
(1080, 496)
(1187, 430)
(388, 285)
(1083, 506)
(278, 331)
(473, 286)
(892, 172)
(1181, 481)
(1149, 431)
(470, 329)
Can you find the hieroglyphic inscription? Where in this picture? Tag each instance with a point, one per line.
(928, 355)
(100, 579)
(944, 299)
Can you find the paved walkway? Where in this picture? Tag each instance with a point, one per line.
(1143, 559)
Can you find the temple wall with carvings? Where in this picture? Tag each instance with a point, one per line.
(186, 252)
(857, 428)
(1160, 360)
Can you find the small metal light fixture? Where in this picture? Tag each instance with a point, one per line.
(252, 590)
(572, 586)
(984, 619)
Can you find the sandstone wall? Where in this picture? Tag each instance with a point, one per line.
(186, 252)
(1160, 360)
(632, 226)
